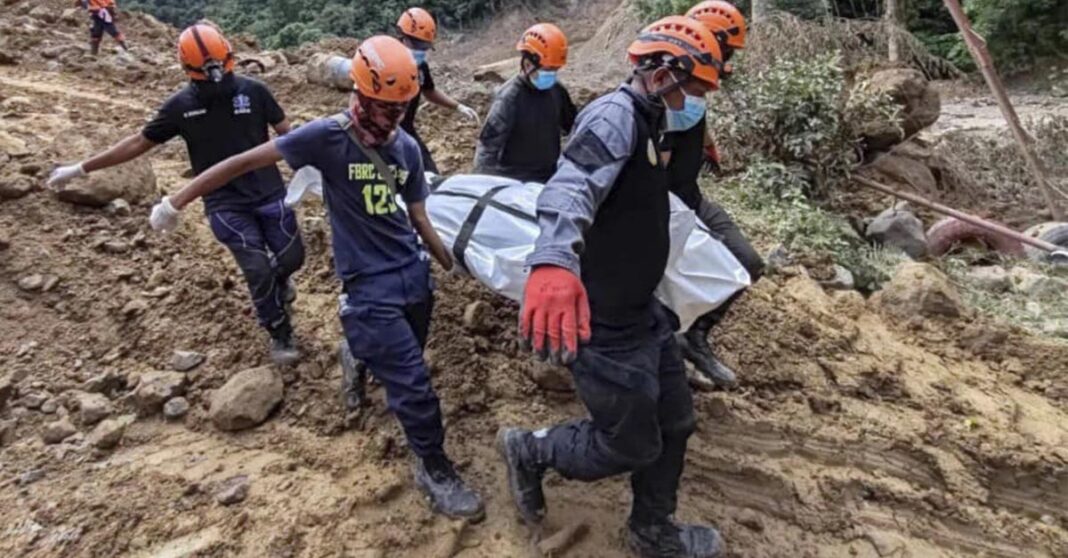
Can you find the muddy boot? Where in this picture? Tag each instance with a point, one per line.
(696, 349)
(668, 539)
(353, 378)
(446, 491)
(283, 347)
(524, 475)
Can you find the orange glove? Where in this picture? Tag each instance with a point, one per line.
(554, 306)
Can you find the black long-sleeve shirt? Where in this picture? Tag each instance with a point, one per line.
(521, 138)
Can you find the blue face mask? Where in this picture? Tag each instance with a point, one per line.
(693, 110)
(420, 56)
(543, 79)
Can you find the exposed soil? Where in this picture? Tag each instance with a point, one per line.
(850, 435)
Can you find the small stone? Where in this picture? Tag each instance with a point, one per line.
(901, 229)
(843, 280)
(184, 361)
(991, 278)
(778, 259)
(233, 491)
(477, 316)
(134, 308)
(31, 476)
(91, 408)
(155, 388)
(751, 520)
(246, 399)
(176, 408)
(106, 382)
(50, 283)
(34, 399)
(118, 207)
(116, 246)
(1048, 519)
(109, 433)
(56, 432)
(50, 407)
(13, 188)
(551, 378)
(31, 282)
(157, 279)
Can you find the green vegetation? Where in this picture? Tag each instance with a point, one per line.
(287, 23)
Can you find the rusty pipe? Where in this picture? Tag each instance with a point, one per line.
(1055, 251)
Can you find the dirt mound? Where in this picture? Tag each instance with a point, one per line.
(850, 434)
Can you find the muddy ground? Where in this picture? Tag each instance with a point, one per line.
(851, 434)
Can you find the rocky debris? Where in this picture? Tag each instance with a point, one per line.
(7, 390)
(233, 491)
(919, 289)
(247, 399)
(900, 170)
(34, 399)
(32, 282)
(135, 307)
(843, 280)
(108, 383)
(156, 388)
(116, 246)
(15, 187)
(109, 433)
(12, 145)
(184, 361)
(134, 182)
(30, 477)
(43, 13)
(7, 432)
(90, 408)
(477, 316)
(119, 207)
(176, 408)
(920, 102)
(899, 228)
(1037, 285)
(57, 431)
(549, 377)
(991, 278)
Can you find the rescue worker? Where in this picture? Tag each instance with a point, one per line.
(530, 113)
(602, 250)
(102, 15)
(418, 30)
(386, 308)
(689, 149)
(220, 114)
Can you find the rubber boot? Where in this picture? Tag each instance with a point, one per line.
(283, 347)
(668, 539)
(353, 378)
(696, 349)
(446, 491)
(524, 475)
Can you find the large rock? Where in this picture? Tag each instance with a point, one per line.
(155, 389)
(247, 399)
(91, 408)
(14, 187)
(134, 181)
(109, 433)
(920, 103)
(896, 169)
(919, 289)
(901, 229)
(56, 432)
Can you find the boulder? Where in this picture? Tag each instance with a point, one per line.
(56, 432)
(109, 433)
(90, 408)
(134, 181)
(897, 169)
(15, 187)
(920, 103)
(901, 229)
(1037, 285)
(919, 289)
(155, 388)
(247, 399)
(991, 278)
(233, 491)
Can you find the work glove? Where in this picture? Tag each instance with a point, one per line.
(164, 216)
(469, 113)
(63, 175)
(711, 159)
(555, 306)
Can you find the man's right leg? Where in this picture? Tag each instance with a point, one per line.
(96, 33)
(619, 387)
(242, 234)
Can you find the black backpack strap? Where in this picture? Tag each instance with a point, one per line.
(343, 120)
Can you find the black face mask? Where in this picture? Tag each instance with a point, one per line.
(209, 90)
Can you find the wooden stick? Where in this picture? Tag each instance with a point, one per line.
(977, 46)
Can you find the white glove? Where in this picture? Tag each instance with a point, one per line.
(164, 216)
(63, 175)
(469, 113)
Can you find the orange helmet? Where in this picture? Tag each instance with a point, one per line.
(384, 69)
(546, 43)
(418, 24)
(204, 53)
(688, 45)
(723, 19)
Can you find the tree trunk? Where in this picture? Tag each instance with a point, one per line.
(893, 20)
(761, 9)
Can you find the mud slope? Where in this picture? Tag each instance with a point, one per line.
(850, 436)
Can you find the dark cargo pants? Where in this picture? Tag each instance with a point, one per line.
(633, 382)
(723, 228)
